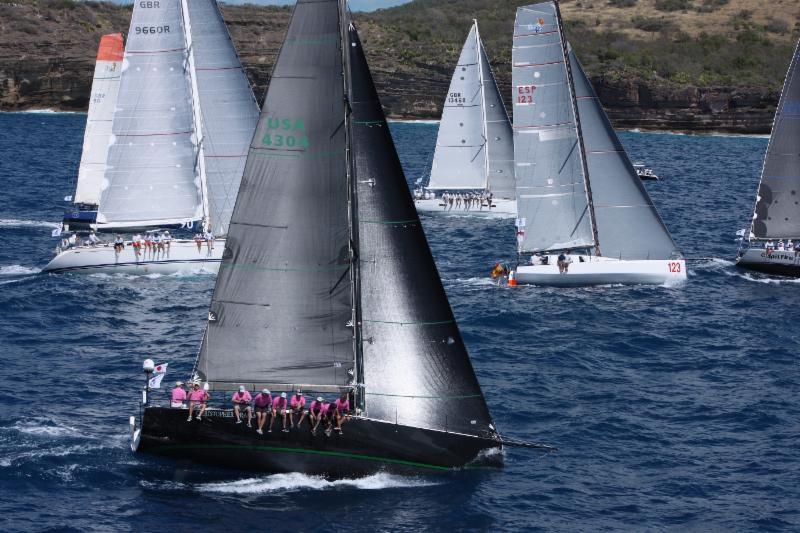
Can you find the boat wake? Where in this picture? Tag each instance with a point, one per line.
(184, 274)
(18, 270)
(17, 223)
(298, 482)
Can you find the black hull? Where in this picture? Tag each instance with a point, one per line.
(771, 268)
(365, 447)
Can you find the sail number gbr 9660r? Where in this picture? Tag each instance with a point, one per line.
(150, 30)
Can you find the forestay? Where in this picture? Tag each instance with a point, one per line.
(415, 368)
(228, 108)
(551, 180)
(777, 212)
(97, 136)
(283, 299)
(151, 179)
(628, 224)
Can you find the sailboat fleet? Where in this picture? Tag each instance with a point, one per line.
(304, 210)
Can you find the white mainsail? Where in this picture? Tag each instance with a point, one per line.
(97, 135)
(184, 120)
(474, 147)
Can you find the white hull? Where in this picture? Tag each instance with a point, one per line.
(604, 271)
(501, 208)
(780, 262)
(183, 256)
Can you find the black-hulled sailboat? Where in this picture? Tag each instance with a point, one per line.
(767, 246)
(327, 284)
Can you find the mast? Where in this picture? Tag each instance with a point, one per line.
(198, 119)
(571, 86)
(352, 209)
(483, 103)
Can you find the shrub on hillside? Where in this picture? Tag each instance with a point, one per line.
(621, 3)
(709, 6)
(673, 5)
(651, 24)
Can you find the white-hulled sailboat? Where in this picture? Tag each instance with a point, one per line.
(183, 121)
(473, 164)
(768, 246)
(97, 136)
(577, 192)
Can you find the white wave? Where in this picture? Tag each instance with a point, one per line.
(766, 280)
(61, 451)
(479, 281)
(44, 112)
(44, 427)
(17, 270)
(296, 482)
(16, 223)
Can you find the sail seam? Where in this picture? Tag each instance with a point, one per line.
(420, 323)
(389, 222)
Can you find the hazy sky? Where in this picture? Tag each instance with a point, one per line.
(355, 5)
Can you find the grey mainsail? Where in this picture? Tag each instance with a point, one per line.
(576, 187)
(97, 136)
(552, 192)
(777, 215)
(327, 281)
(415, 368)
(474, 147)
(228, 109)
(151, 179)
(628, 224)
(282, 303)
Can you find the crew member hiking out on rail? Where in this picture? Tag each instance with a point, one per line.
(297, 407)
(263, 404)
(197, 398)
(280, 406)
(178, 395)
(241, 400)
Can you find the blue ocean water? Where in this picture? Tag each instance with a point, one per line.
(672, 408)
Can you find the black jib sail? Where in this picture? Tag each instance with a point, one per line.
(416, 370)
(777, 212)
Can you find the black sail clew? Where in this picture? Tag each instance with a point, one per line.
(415, 369)
(282, 303)
(777, 213)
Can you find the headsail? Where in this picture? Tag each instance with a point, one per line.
(228, 108)
(628, 224)
(97, 136)
(777, 215)
(282, 303)
(474, 147)
(415, 368)
(552, 192)
(151, 179)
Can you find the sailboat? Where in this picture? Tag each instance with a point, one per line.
(184, 116)
(776, 216)
(97, 136)
(323, 220)
(578, 195)
(473, 164)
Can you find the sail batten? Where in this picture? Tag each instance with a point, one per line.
(776, 214)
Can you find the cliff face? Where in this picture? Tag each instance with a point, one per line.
(47, 51)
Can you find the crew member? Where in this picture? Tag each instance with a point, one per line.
(280, 406)
(263, 403)
(241, 399)
(119, 244)
(93, 240)
(136, 242)
(166, 240)
(209, 238)
(297, 406)
(315, 412)
(197, 398)
(198, 240)
(342, 411)
(178, 395)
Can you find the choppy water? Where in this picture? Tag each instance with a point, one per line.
(673, 408)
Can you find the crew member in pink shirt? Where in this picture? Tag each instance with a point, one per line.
(298, 407)
(263, 403)
(329, 414)
(342, 411)
(198, 397)
(280, 406)
(315, 413)
(241, 399)
(178, 395)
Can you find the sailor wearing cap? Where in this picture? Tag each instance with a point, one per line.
(242, 399)
(263, 403)
(315, 412)
(297, 407)
(197, 398)
(178, 395)
(280, 407)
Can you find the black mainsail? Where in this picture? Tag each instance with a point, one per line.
(327, 283)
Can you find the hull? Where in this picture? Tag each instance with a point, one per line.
(183, 256)
(501, 208)
(782, 263)
(365, 447)
(603, 271)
